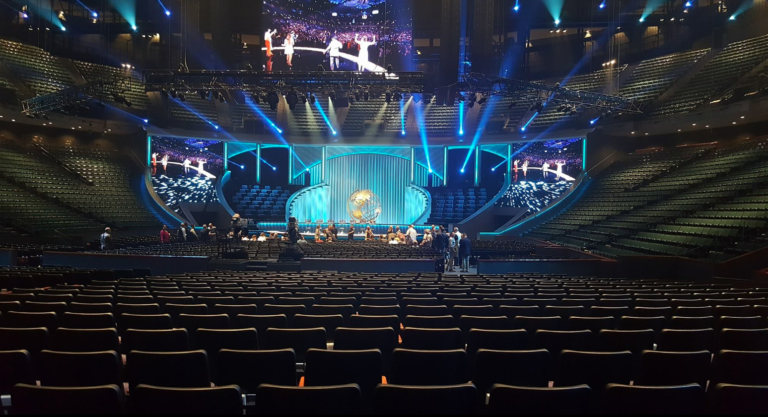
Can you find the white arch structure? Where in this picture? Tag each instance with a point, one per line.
(370, 66)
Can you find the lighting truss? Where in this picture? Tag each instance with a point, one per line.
(527, 91)
(98, 89)
(406, 82)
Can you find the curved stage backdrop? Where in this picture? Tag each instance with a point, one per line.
(386, 175)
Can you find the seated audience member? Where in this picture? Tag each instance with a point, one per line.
(262, 237)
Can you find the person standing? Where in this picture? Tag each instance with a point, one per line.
(204, 233)
(182, 232)
(289, 43)
(165, 237)
(369, 234)
(466, 252)
(187, 164)
(411, 235)
(192, 234)
(445, 243)
(427, 240)
(164, 161)
(200, 166)
(106, 239)
(544, 169)
(453, 252)
(525, 169)
(362, 57)
(457, 237)
(318, 232)
(351, 233)
(268, 43)
(334, 231)
(334, 47)
(212, 232)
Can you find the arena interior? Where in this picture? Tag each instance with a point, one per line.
(383, 207)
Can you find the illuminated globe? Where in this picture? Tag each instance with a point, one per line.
(364, 206)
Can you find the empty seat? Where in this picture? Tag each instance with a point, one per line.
(634, 341)
(691, 323)
(421, 400)
(432, 339)
(382, 338)
(686, 340)
(85, 340)
(222, 400)
(595, 324)
(497, 340)
(555, 341)
(171, 340)
(168, 369)
(659, 368)
(740, 367)
(88, 320)
(532, 324)
(730, 322)
(329, 323)
(16, 366)
(70, 369)
(429, 322)
(331, 400)
(339, 367)
(507, 399)
(595, 369)
(744, 339)
(739, 399)
(213, 340)
(622, 399)
(101, 400)
(300, 340)
(525, 368)
(144, 322)
(192, 322)
(249, 369)
(262, 322)
(18, 320)
(33, 340)
(429, 367)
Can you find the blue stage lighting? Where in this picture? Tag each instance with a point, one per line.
(462, 170)
(24, 15)
(602, 5)
(525, 126)
(493, 169)
(63, 29)
(146, 120)
(216, 127)
(461, 118)
(557, 22)
(517, 6)
(402, 132)
(167, 12)
(325, 118)
(135, 28)
(593, 121)
(430, 170)
(732, 17)
(688, 4)
(642, 19)
(242, 166)
(95, 15)
(274, 168)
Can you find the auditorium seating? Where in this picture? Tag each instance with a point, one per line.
(182, 117)
(373, 110)
(243, 111)
(455, 205)
(261, 203)
(40, 71)
(528, 363)
(440, 120)
(132, 88)
(306, 119)
(654, 76)
(695, 202)
(730, 64)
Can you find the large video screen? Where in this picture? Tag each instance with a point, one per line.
(341, 35)
(185, 170)
(542, 172)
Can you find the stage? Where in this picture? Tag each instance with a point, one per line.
(308, 229)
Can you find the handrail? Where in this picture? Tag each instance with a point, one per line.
(601, 162)
(220, 192)
(422, 219)
(297, 194)
(62, 164)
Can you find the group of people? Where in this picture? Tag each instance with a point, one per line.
(545, 168)
(187, 163)
(333, 49)
(188, 233)
(455, 246)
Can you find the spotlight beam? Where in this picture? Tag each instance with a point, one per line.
(193, 111)
(263, 116)
(423, 134)
(325, 118)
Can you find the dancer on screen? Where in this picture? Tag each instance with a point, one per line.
(362, 57)
(334, 47)
(289, 43)
(268, 43)
(525, 169)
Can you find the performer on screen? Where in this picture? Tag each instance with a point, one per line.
(187, 164)
(154, 163)
(559, 168)
(544, 169)
(517, 161)
(525, 169)
(200, 165)
(289, 43)
(165, 163)
(362, 57)
(268, 42)
(334, 47)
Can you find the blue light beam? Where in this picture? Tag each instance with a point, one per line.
(322, 113)
(423, 134)
(461, 118)
(525, 126)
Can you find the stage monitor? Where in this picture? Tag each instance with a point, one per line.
(185, 170)
(340, 35)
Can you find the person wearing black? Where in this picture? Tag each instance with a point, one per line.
(465, 251)
(446, 245)
(351, 233)
(182, 232)
(334, 231)
(438, 243)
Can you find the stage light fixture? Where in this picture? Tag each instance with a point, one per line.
(274, 168)
(482, 100)
(272, 99)
(167, 12)
(146, 120)
(174, 94)
(389, 68)
(203, 94)
(135, 28)
(293, 99)
(688, 4)
(732, 17)
(95, 15)
(388, 97)
(182, 97)
(557, 22)
(312, 98)
(24, 15)
(642, 19)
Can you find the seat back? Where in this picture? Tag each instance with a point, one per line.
(621, 399)
(413, 400)
(222, 400)
(332, 400)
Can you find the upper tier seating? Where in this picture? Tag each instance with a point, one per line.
(184, 118)
(373, 110)
(40, 71)
(441, 120)
(306, 119)
(533, 342)
(708, 203)
(262, 203)
(654, 76)
(735, 60)
(240, 112)
(452, 206)
(134, 91)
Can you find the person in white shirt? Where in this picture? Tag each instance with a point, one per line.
(453, 253)
(525, 169)
(200, 166)
(544, 169)
(411, 235)
(187, 164)
(362, 57)
(334, 47)
(559, 168)
(165, 163)
(289, 43)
